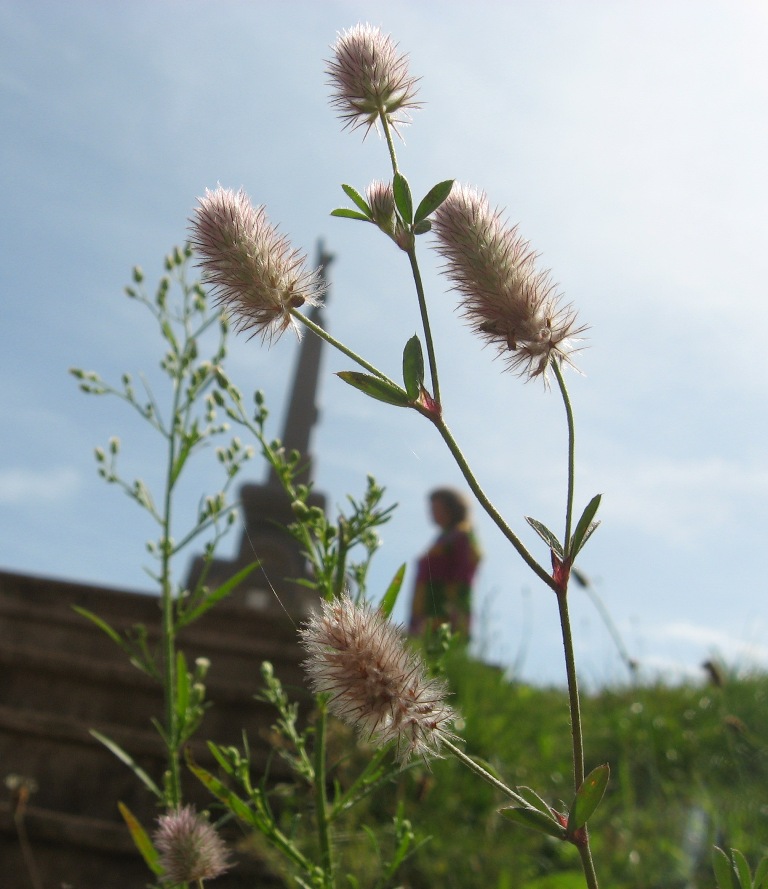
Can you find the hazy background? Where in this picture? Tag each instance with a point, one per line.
(629, 140)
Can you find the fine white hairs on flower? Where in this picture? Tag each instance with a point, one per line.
(252, 269)
(190, 849)
(374, 682)
(503, 296)
(370, 79)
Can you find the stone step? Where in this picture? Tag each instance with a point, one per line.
(74, 772)
(92, 690)
(40, 611)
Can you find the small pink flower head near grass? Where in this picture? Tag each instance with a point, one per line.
(190, 849)
(503, 296)
(253, 270)
(370, 79)
(375, 684)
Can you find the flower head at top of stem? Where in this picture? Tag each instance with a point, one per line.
(375, 684)
(371, 79)
(190, 849)
(506, 300)
(252, 268)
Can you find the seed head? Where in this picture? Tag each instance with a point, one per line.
(503, 296)
(370, 79)
(252, 269)
(381, 200)
(190, 849)
(376, 685)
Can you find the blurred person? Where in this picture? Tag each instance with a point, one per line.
(443, 588)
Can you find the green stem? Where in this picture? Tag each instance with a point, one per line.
(425, 322)
(167, 606)
(321, 802)
(588, 866)
(485, 775)
(573, 691)
(577, 735)
(390, 141)
(555, 364)
(482, 498)
(323, 334)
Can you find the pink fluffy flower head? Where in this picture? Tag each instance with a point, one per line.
(503, 296)
(370, 78)
(375, 684)
(190, 849)
(253, 270)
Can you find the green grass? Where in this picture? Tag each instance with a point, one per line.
(689, 768)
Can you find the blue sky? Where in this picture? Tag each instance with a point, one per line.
(628, 140)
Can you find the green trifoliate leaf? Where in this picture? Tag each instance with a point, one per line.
(724, 873)
(547, 536)
(413, 367)
(434, 197)
(345, 213)
(377, 388)
(390, 597)
(403, 199)
(358, 199)
(585, 527)
(535, 820)
(588, 797)
(421, 228)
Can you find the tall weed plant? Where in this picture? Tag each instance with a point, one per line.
(359, 668)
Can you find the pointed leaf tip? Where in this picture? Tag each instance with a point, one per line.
(376, 388)
(535, 820)
(547, 536)
(588, 797)
(393, 590)
(585, 526)
(434, 197)
(413, 367)
(354, 195)
(403, 199)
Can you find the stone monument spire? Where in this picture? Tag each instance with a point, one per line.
(266, 508)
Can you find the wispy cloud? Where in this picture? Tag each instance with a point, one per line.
(677, 650)
(24, 486)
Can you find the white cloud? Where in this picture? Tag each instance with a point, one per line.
(23, 486)
(677, 650)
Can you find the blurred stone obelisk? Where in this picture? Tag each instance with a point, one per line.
(266, 508)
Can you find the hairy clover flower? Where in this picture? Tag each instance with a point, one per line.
(252, 268)
(189, 847)
(503, 296)
(370, 79)
(376, 685)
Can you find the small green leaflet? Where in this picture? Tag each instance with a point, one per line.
(413, 368)
(535, 820)
(358, 200)
(585, 527)
(547, 536)
(390, 597)
(141, 840)
(345, 213)
(434, 197)
(588, 797)
(403, 199)
(377, 388)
